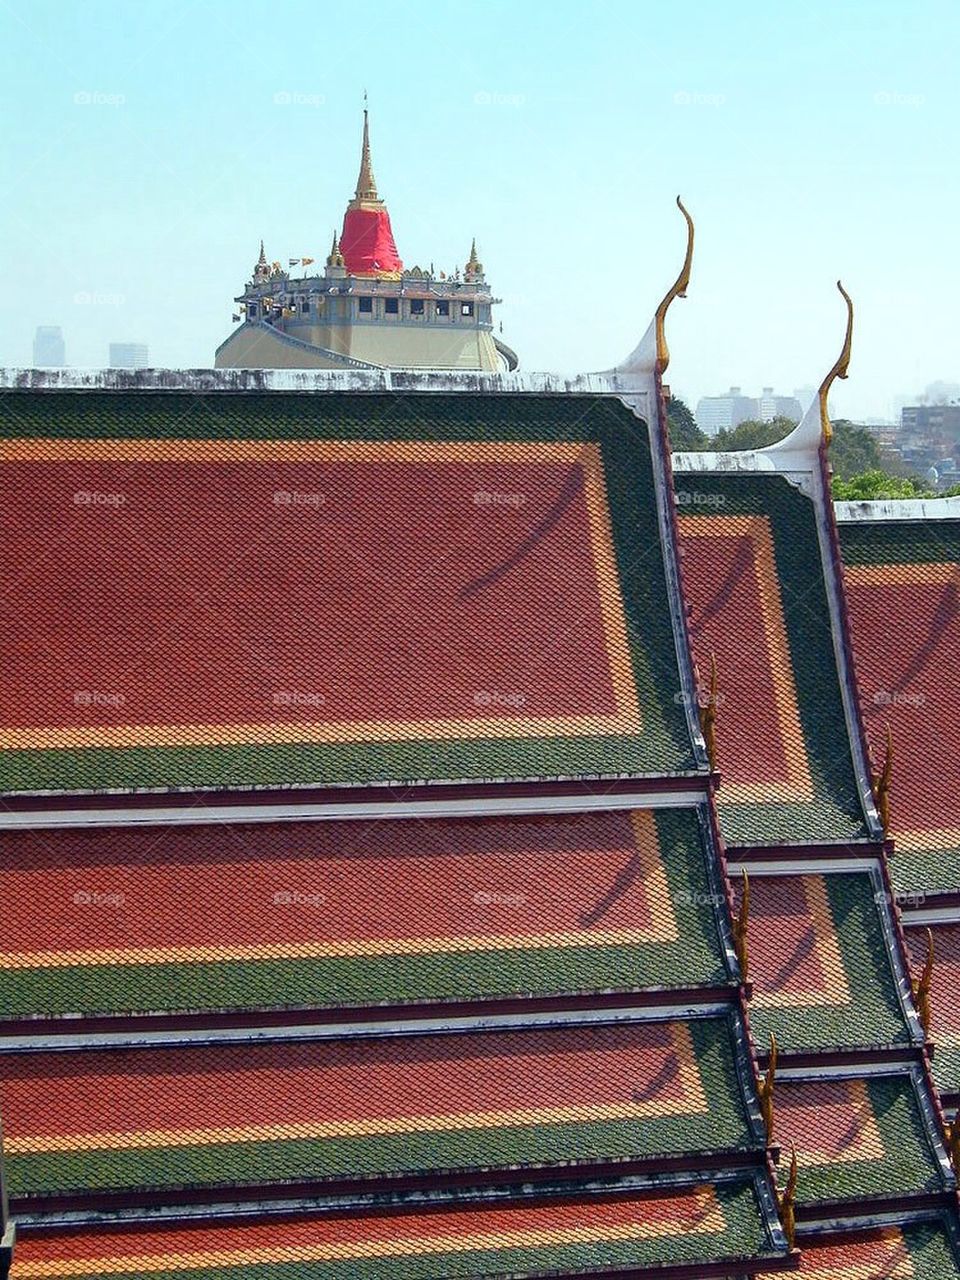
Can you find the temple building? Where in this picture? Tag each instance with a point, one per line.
(447, 836)
(366, 311)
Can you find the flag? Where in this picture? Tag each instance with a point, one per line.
(293, 261)
(306, 261)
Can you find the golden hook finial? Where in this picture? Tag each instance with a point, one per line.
(881, 785)
(740, 926)
(921, 989)
(678, 290)
(788, 1202)
(839, 370)
(708, 715)
(765, 1089)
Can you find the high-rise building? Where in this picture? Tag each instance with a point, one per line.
(129, 355)
(719, 413)
(49, 351)
(366, 311)
(770, 406)
(723, 413)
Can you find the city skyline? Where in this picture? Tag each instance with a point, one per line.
(803, 156)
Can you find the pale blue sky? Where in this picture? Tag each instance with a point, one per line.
(148, 144)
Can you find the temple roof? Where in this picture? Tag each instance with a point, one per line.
(754, 582)
(924, 1251)
(902, 579)
(100, 1122)
(248, 590)
(719, 1222)
(148, 919)
(471, 963)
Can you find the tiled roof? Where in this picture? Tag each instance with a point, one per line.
(108, 1120)
(250, 590)
(164, 918)
(697, 1225)
(820, 964)
(902, 582)
(919, 1252)
(856, 1137)
(944, 1004)
(753, 579)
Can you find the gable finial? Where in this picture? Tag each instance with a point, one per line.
(881, 785)
(839, 370)
(677, 290)
(740, 927)
(788, 1202)
(921, 989)
(708, 716)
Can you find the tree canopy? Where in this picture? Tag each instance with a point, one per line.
(752, 434)
(684, 432)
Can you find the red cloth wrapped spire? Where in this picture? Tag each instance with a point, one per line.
(366, 241)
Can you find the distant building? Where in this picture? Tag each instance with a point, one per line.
(931, 420)
(366, 310)
(722, 413)
(771, 406)
(49, 351)
(129, 355)
(929, 439)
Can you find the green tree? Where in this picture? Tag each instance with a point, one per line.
(753, 434)
(684, 432)
(874, 484)
(854, 450)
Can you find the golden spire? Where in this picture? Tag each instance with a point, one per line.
(765, 1090)
(839, 370)
(921, 989)
(474, 268)
(881, 785)
(366, 192)
(677, 290)
(740, 926)
(787, 1202)
(335, 257)
(708, 715)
